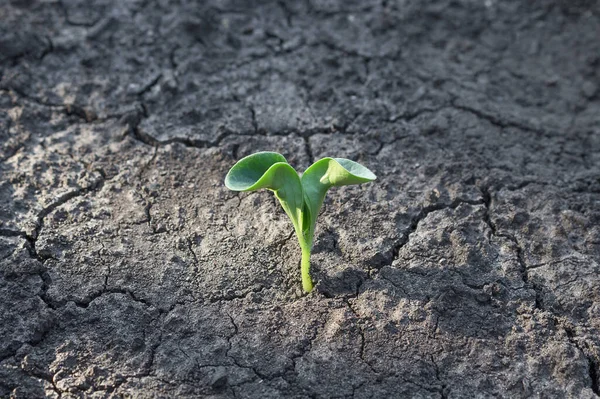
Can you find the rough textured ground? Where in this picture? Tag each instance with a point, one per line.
(470, 268)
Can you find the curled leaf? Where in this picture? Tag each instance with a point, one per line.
(248, 171)
(269, 170)
(329, 172)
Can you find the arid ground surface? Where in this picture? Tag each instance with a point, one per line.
(470, 268)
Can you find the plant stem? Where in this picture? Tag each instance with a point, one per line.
(307, 283)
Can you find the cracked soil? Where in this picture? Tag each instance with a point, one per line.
(470, 268)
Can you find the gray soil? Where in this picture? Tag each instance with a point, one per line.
(470, 268)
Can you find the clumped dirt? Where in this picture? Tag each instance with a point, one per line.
(470, 268)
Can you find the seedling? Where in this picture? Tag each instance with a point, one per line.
(300, 197)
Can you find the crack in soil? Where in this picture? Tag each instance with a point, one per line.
(592, 359)
(443, 389)
(87, 116)
(85, 302)
(308, 149)
(518, 250)
(39, 224)
(494, 120)
(593, 363)
(149, 86)
(362, 337)
(422, 214)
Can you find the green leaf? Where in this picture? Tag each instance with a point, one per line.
(269, 170)
(246, 173)
(326, 173)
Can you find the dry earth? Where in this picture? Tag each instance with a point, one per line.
(470, 268)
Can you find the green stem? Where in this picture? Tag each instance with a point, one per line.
(307, 283)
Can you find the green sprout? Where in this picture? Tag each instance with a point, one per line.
(300, 197)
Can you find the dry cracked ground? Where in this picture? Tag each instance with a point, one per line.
(470, 268)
